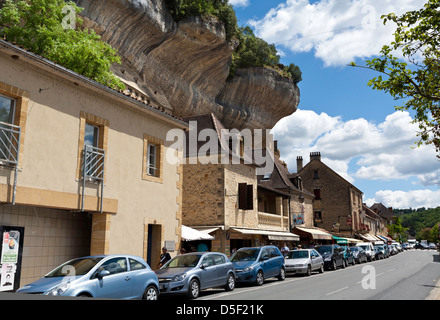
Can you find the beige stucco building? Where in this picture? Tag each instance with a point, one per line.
(125, 198)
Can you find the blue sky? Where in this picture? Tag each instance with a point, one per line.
(357, 130)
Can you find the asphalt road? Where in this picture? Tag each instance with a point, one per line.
(410, 275)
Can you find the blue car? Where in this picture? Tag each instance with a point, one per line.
(256, 264)
(106, 276)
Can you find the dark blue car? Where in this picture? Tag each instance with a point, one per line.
(255, 264)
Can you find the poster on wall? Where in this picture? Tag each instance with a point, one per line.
(10, 257)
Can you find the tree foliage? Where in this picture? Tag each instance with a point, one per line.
(420, 221)
(37, 26)
(417, 80)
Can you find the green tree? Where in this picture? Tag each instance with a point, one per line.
(38, 26)
(397, 231)
(416, 81)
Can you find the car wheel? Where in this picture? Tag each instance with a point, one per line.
(151, 293)
(260, 278)
(282, 274)
(194, 289)
(230, 284)
(309, 270)
(321, 270)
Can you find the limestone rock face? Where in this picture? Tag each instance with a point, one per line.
(184, 66)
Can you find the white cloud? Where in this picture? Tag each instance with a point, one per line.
(239, 3)
(338, 31)
(407, 199)
(358, 149)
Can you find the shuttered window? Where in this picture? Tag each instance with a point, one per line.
(245, 196)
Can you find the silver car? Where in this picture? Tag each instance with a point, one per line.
(304, 261)
(189, 273)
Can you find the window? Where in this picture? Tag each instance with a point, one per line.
(8, 137)
(315, 174)
(317, 193)
(152, 159)
(135, 265)
(115, 265)
(317, 216)
(245, 196)
(219, 259)
(94, 134)
(208, 261)
(91, 135)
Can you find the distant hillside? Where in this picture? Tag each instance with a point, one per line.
(418, 219)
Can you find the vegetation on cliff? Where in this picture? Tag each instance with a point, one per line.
(251, 52)
(44, 28)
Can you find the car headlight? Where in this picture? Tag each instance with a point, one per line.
(248, 269)
(59, 290)
(327, 259)
(179, 277)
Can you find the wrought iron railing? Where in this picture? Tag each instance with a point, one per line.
(93, 169)
(10, 149)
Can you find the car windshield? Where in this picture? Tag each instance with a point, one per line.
(324, 249)
(364, 247)
(298, 254)
(75, 267)
(245, 255)
(183, 261)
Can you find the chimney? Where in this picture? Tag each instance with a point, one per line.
(276, 151)
(315, 155)
(299, 163)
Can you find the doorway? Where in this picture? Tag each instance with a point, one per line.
(154, 240)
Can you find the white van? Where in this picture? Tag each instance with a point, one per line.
(369, 250)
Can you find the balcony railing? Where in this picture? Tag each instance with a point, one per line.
(274, 221)
(10, 149)
(93, 169)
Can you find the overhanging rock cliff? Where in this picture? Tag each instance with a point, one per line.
(184, 66)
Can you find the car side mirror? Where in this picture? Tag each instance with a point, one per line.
(103, 273)
(203, 266)
(264, 258)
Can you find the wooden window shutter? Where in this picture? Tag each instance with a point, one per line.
(242, 196)
(250, 197)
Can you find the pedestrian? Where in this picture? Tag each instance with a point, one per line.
(285, 249)
(164, 257)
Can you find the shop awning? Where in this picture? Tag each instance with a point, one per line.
(368, 237)
(190, 234)
(340, 240)
(316, 234)
(273, 235)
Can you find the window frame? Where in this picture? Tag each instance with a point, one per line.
(158, 144)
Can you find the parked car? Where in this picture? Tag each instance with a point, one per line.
(109, 276)
(393, 249)
(348, 256)
(359, 254)
(192, 272)
(304, 261)
(255, 264)
(333, 256)
(379, 252)
(369, 250)
(432, 246)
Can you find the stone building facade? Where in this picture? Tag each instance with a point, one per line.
(337, 204)
(224, 199)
